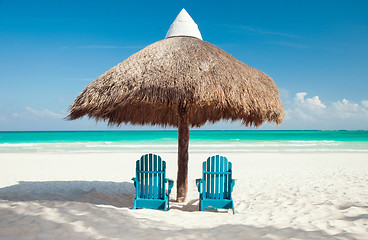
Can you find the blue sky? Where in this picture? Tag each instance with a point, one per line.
(316, 52)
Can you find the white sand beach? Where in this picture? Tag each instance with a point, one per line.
(277, 196)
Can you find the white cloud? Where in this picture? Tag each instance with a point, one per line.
(306, 108)
(312, 113)
(347, 109)
(32, 113)
(111, 47)
(299, 97)
(103, 47)
(32, 119)
(44, 113)
(365, 103)
(265, 32)
(284, 93)
(290, 44)
(313, 103)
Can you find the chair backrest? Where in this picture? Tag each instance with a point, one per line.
(150, 172)
(217, 176)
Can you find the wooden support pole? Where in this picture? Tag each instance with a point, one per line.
(183, 145)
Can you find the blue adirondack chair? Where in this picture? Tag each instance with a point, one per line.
(150, 183)
(216, 185)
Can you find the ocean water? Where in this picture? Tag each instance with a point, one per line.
(200, 141)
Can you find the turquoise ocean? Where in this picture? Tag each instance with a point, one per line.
(200, 141)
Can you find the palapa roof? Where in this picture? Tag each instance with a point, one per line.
(181, 72)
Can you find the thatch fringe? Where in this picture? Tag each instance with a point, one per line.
(150, 86)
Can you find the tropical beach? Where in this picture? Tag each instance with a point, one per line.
(308, 193)
(251, 124)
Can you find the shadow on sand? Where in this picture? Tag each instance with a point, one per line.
(120, 224)
(118, 194)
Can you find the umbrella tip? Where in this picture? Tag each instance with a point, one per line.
(184, 25)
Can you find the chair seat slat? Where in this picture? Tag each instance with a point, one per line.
(217, 173)
(141, 171)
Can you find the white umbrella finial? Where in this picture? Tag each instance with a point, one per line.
(184, 26)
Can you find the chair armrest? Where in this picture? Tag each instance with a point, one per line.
(232, 183)
(135, 180)
(198, 183)
(170, 184)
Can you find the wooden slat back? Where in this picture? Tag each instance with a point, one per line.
(150, 172)
(217, 177)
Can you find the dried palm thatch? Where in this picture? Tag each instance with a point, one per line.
(181, 82)
(151, 86)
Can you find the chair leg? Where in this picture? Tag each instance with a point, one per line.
(232, 206)
(134, 204)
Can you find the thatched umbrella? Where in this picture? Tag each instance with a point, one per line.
(181, 81)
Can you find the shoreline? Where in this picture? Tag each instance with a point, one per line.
(194, 147)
